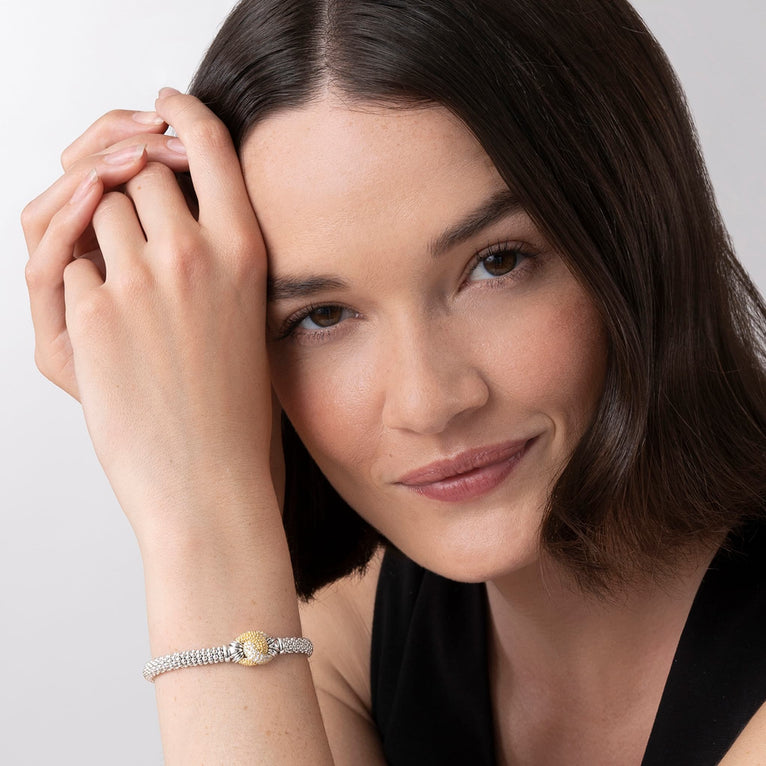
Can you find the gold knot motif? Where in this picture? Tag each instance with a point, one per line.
(255, 647)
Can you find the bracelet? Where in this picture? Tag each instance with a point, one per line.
(251, 648)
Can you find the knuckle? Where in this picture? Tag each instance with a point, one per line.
(33, 275)
(90, 314)
(248, 259)
(152, 172)
(111, 202)
(68, 157)
(132, 284)
(43, 364)
(246, 264)
(103, 126)
(209, 132)
(133, 287)
(187, 263)
(108, 119)
(29, 215)
(39, 359)
(91, 310)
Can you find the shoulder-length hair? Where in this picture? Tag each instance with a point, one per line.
(581, 113)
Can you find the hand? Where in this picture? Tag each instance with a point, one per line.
(168, 349)
(116, 147)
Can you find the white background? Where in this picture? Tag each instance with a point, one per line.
(73, 623)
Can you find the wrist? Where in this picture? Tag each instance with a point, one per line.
(219, 574)
(204, 519)
(201, 593)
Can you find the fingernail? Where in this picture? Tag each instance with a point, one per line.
(165, 92)
(124, 156)
(148, 118)
(175, 145)
(84, 188)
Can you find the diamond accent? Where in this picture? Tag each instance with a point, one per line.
(255, 647)
(251, 648)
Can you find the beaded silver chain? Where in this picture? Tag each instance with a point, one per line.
(250, 648)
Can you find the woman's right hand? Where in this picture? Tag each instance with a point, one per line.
(116, 147)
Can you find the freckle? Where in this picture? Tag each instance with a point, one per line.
(245, 708)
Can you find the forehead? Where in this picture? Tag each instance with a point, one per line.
(333, 169)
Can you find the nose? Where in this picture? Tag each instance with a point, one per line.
(430, 381)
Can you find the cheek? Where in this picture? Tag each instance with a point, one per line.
(546, 359)
(330, 400)
(559, 360)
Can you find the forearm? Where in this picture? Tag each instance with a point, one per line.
(203, 589)
(159, 331)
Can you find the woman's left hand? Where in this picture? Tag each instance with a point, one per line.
(169, 348)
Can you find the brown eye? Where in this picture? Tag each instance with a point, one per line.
(324, 316)
(498, 264)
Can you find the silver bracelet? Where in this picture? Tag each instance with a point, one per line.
(251, 648)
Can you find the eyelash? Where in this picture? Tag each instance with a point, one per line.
(290, 326)
(501, 248)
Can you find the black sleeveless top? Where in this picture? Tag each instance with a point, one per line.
(429, 664)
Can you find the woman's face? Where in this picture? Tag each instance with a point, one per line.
(436, 357)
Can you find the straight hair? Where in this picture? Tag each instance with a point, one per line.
(581, 113)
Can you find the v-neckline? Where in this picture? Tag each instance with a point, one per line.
(714, 685)
(709, 693)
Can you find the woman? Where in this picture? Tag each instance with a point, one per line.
(491, 293)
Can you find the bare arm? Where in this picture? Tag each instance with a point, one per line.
(750, 747)
(163, 344)
(339, 620)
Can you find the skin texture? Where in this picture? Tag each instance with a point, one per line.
(432, 356)
(164, 334)
(166, 355)
(401, 358)
(750, 747)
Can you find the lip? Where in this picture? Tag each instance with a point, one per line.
(468, 475)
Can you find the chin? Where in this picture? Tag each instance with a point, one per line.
(478, 557)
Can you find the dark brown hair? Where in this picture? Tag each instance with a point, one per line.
(582, 115)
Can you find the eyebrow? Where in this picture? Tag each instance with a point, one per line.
(501, 204)
(285, 288)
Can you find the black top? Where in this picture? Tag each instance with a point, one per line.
(429, 664)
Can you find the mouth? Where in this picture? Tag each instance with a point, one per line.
(469, 475)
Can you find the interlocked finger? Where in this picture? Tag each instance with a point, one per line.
(110, 129)
(224, 206)
(118, 231)
(159, 202)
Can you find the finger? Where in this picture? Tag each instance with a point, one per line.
(80, 277)
(86, 244)
(118, 232)
(114, 168)
(97, 259)
(117, 169)
(111, 128)
(45, 268)
(213, 162)
(166, 149)
(159, 201)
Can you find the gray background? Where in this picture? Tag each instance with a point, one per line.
(73, 622)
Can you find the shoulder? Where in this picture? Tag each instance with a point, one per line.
(339, 620)
(750, 746)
